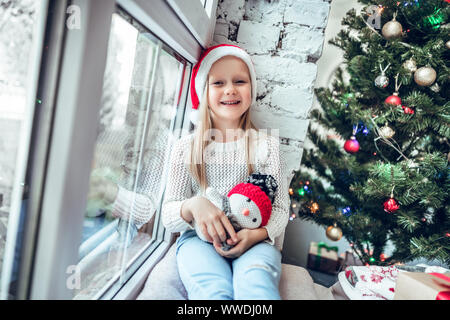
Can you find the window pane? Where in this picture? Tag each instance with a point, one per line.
(141, 86)
(18, 21)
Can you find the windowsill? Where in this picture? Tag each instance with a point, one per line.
(100, 269)
(133, 287)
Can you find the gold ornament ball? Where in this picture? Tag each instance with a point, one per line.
(425, 76)
(387, 132)
(447, 44)
(392, 30)
(334, 233)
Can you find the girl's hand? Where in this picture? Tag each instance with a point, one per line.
(212, 221)
(246, 239)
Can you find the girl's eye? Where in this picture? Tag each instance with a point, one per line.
(220, 82)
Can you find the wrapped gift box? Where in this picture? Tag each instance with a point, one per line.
(323, 258)
(422, 286)
(369, 283)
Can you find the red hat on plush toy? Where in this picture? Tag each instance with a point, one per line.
(201, 70)
(261, 189)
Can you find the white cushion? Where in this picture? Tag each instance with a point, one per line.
(164, 283)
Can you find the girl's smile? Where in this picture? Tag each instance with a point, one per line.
(231, 102)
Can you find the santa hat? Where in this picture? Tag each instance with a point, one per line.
(201, 70)
(261, 189)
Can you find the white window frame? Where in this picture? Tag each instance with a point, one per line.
(194, 16)
(24, 143)
(73, 139)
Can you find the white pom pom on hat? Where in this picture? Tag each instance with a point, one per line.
(201, 70)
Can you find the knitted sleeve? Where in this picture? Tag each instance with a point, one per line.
(275, 166)
(139, 206)
(178, 188)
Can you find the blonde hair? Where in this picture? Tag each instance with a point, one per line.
(199, 143)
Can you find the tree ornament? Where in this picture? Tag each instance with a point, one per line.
(435, 19)
(334, 233)
(410, 65)
(382, 81)
(435, 87)
(407, 110)
(425, 76)
(394, 99)
(392, 30)
(386, 132)
(351, 145)
(391, 205)
(428, 218)
(447, 44)
(314, 207)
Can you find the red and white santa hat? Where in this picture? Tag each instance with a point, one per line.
(201, 70)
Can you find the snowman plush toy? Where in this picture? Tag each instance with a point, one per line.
(247, 205)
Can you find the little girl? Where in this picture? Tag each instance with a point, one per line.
(223, 150)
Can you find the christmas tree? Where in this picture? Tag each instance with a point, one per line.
(389, 182)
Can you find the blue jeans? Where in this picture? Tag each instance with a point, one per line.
(207, 275)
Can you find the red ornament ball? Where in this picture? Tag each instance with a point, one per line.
(393, 100)
(408, 110)
(351, 145)
(391, 205)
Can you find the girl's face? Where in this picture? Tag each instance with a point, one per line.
(229, 90)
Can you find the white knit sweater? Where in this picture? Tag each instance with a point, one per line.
(225, 168)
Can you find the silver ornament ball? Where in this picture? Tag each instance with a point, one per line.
(381, 81)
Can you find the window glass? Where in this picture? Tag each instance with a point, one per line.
(18, 21)
(142, 85)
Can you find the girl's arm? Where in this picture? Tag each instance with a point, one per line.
(178, 189)
(275, 166)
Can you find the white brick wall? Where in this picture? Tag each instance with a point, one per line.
(284, 38)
